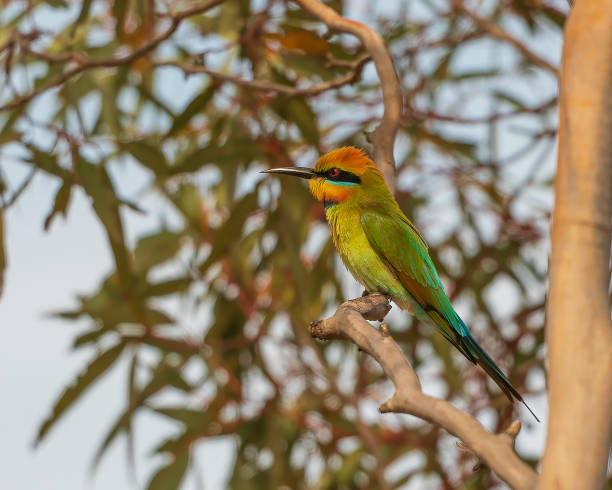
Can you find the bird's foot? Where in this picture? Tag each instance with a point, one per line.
(368, 293)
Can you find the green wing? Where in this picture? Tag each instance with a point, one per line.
(396, 240)
(399, 244)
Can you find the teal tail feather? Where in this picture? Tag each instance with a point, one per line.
(478, 356)
(471, 349)
(451, 326)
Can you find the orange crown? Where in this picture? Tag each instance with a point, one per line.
(348, 158)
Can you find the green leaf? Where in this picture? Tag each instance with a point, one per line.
(192, 419)
(156, 317)
(467, 75)
(232, 153)
(87, 337)
(195, 107)
(304, 118)
(508, 97)
(8, 136)
(442, 70)
(57, 4)
(224, 21)
(98, 186)
(48, 162)
(84, 13)
(163, 375)
(165, 288)
(230, 231)
(350, 466)
(148, 155)
(145, 92)
(556, 17)
(155, 249)
(299, 112)
(188, 201)
(112, 307)
(119, 11)
(305, 66)
(9, 124)
(93, 371)
(169, 477)
(124, 422)
(132, 403)
(60, 205)
(120, 425)
(110, 116)
(229, 321)
(2, 252)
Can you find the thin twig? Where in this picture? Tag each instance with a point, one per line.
(267, 86)
(383, 137)
(412, 113)
(496, 31)
(83, 63)
(11, 200)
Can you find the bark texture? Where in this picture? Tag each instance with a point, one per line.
(579, 331)
(494, 450)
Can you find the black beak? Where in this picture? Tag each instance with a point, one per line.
(302, 172)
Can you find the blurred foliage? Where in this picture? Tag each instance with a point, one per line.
(210, 307)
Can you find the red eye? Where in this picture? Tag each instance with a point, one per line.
(334, 172)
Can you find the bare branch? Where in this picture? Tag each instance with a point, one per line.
(508, 436)
(356, 67)
(83, 63)
(494, 450)
(383, 137)
(412, 114)
(496, 31)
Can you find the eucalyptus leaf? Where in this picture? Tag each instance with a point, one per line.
(169, 477)
(96, 368)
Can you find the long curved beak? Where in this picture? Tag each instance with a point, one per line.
(302, 172)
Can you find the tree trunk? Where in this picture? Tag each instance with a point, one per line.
(579, 330)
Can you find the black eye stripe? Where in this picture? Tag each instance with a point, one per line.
(340, 175)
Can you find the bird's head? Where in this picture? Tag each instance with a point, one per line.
(343, 175)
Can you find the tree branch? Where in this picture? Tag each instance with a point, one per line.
(83, 63)
(578, 329)
(496, 31)
(413, 114)
(383, 137)
(495, 450)
(352, 76)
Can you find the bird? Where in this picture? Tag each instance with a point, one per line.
(384, 250)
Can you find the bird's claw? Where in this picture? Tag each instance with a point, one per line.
(368, 293)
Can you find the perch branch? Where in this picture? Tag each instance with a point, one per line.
(383, 137)
(494, 450)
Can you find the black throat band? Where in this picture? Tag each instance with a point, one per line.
(328, 204)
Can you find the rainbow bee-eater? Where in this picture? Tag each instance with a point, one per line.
(384, 251)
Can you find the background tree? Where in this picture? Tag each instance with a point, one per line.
(211, 304)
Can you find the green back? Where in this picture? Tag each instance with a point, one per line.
(395, 239)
